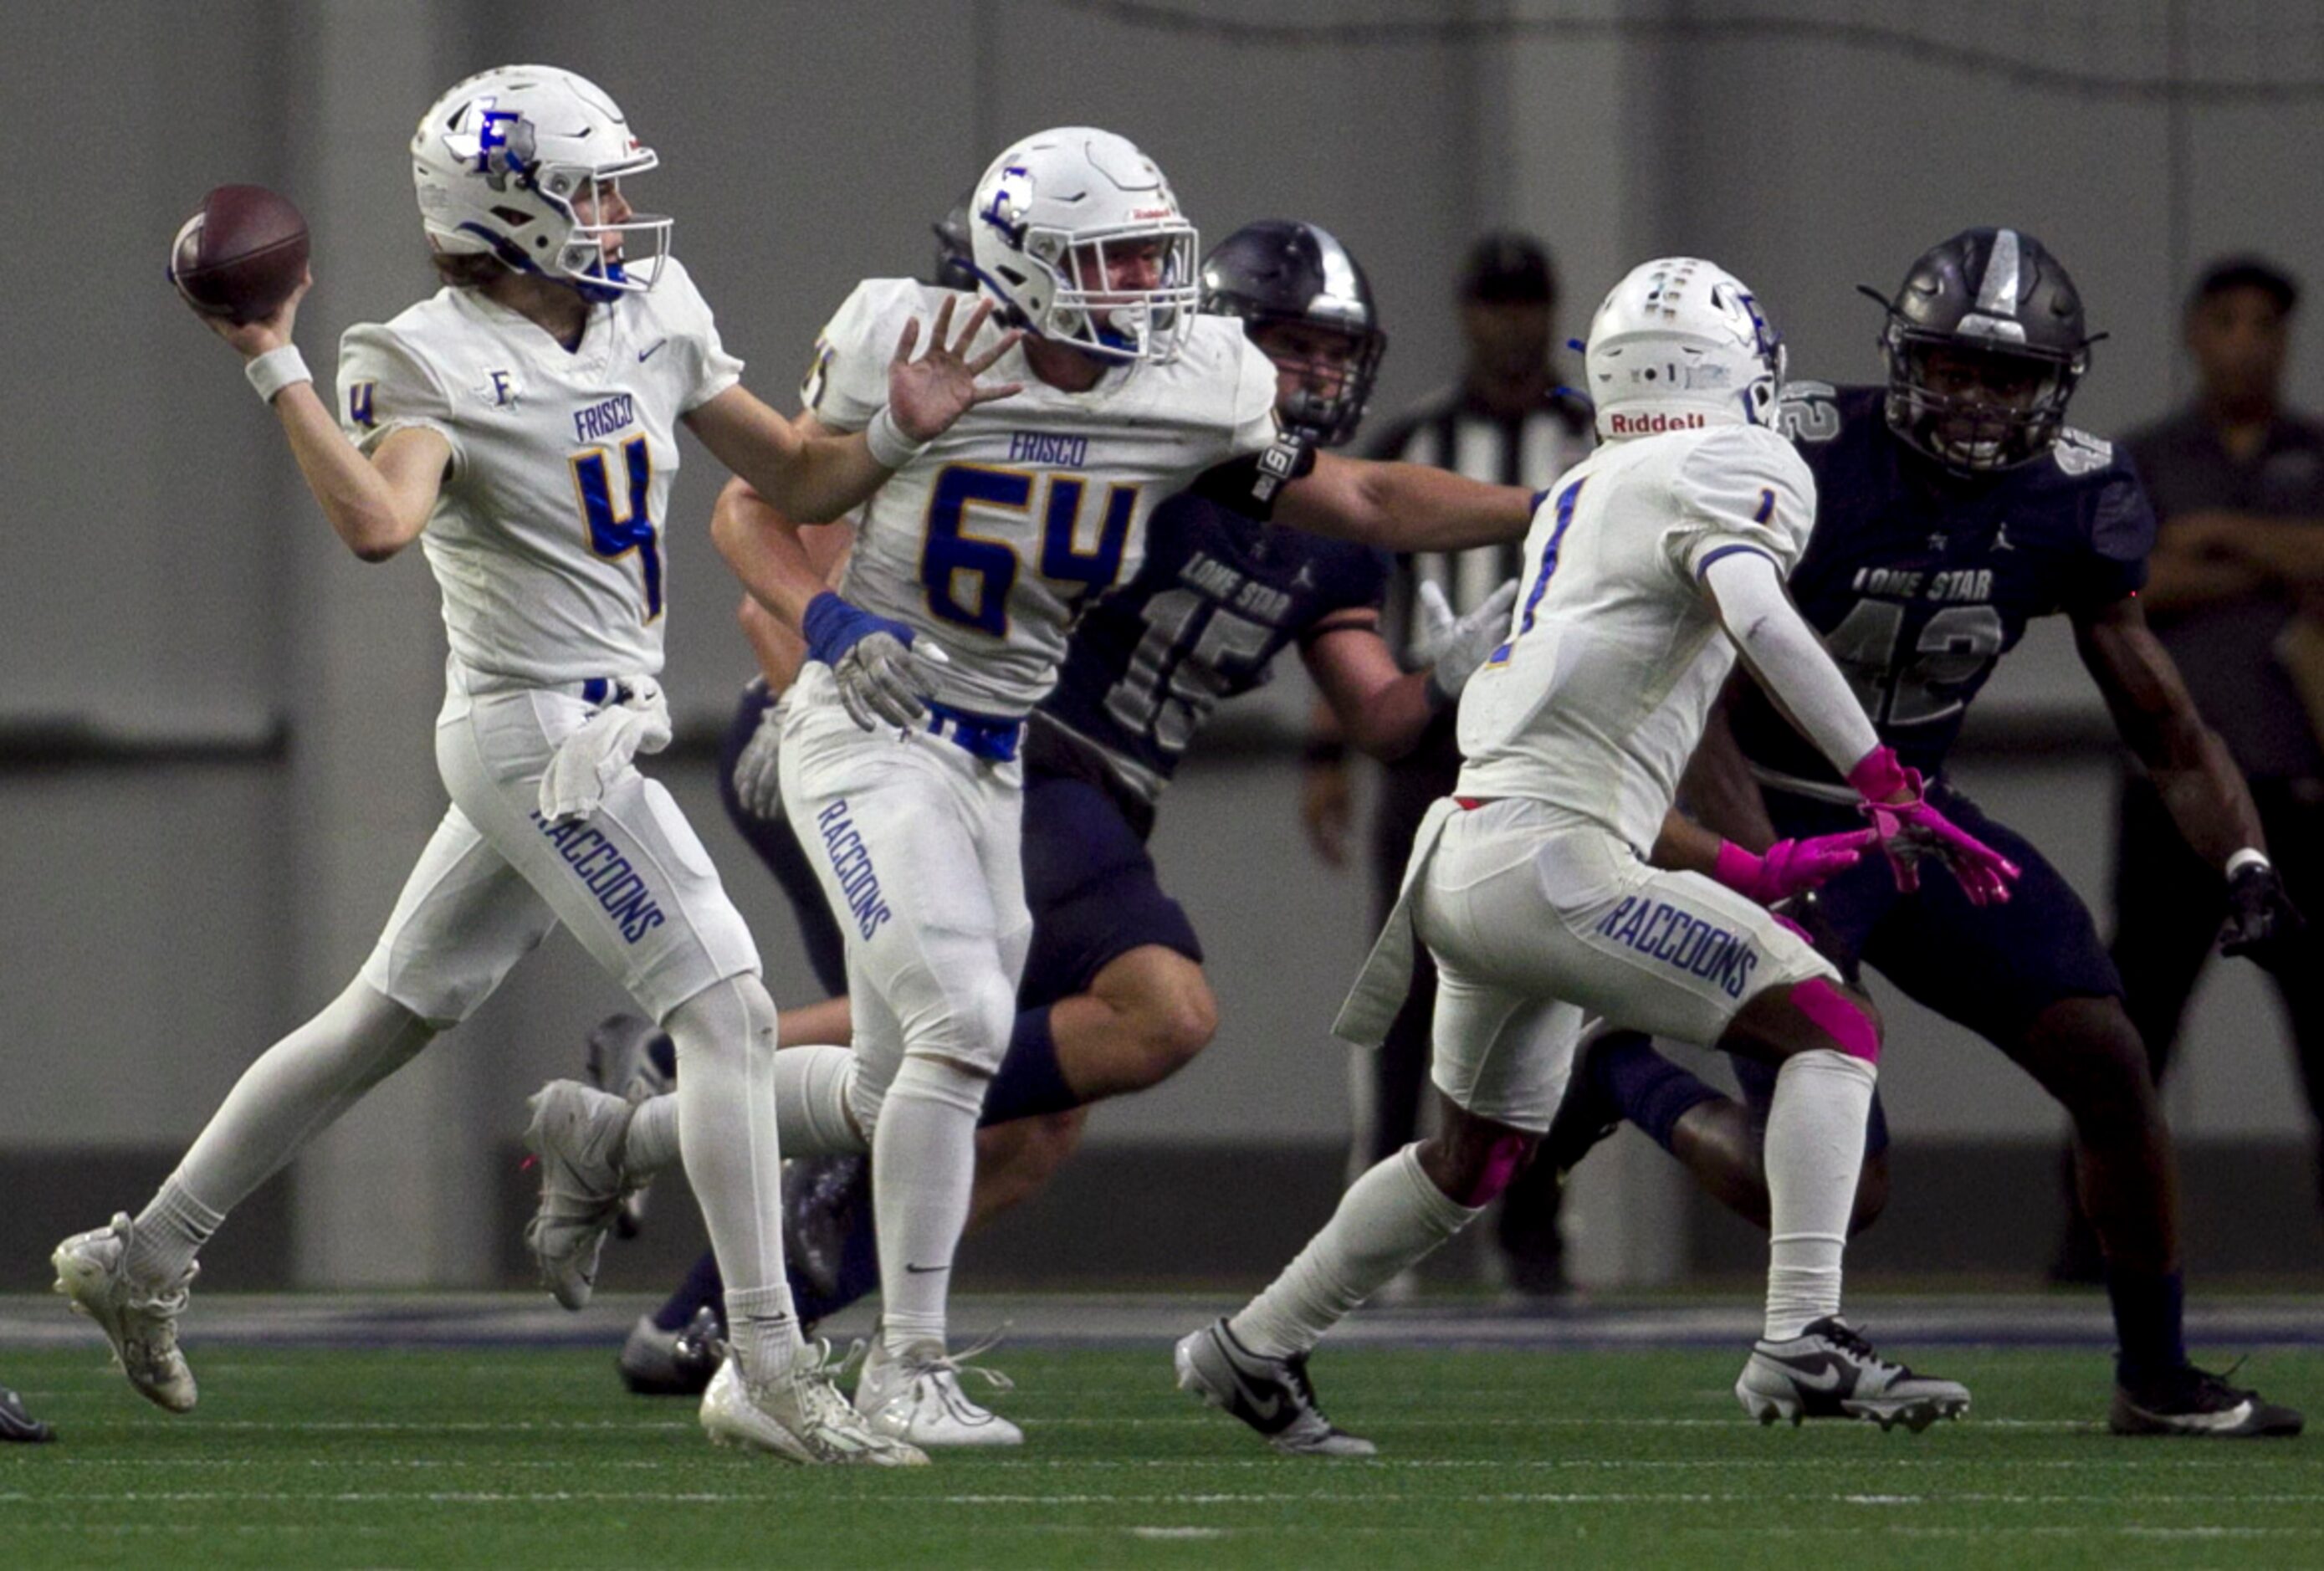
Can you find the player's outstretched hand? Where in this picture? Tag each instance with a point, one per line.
(252, 338)
(2262, 924)
(1910, 830)
(1456, 646)
(758, 770)
(926, 395)
(1789, 867)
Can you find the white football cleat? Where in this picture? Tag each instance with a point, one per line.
(141, 1321)
(1828, 1371)
(800, 1417)
(916, 1395)
(577, 1132)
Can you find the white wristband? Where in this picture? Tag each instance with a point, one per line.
(276, 369)
(890, 448)
(2246, 857)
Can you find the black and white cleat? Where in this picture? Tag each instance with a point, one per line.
(1828, 1371)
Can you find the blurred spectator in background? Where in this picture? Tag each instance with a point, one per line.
(2236, 594)
(1506, 421)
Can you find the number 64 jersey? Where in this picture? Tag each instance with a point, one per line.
(547, 537)
(1920, 581)
(989, 541)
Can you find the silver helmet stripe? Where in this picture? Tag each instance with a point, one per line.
(1998, 292)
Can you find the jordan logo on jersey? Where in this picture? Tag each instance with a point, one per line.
(1682, 940)
(851, 863)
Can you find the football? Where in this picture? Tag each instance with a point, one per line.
(241, 254)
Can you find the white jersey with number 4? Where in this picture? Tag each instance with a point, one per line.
(1615, 651)
(547, 537)
(988, 542)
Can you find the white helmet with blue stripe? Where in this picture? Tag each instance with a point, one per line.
(501, 159)
(1682, 343)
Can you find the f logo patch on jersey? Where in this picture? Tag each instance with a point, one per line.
(499, 389)
(359, 405)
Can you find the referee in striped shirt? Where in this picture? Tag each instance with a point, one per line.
(1506, 421)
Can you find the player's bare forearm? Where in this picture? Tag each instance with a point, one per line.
(1717, 788)
(2158, 721)
(1683, 845)
(1371, 702)
(762, 544)
(376, 505)
(1403, 507)
(778, 650)
(809, 475)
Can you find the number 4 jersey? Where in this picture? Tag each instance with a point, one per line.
(1920, 580)
(546, 540)
(988, 542)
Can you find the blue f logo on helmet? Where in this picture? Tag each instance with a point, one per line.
(499, 162)
(1079, 235)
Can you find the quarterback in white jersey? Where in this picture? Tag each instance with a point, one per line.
(521, 424)
(1656, 559)
(900, 744)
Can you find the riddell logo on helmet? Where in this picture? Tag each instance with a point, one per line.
(1643, 425)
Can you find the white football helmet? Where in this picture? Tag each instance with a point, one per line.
(1680, 342)
(1046, 219)
(500, 160)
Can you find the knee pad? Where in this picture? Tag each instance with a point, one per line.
(1839, 1017)
(1504, 1159)
(736, 1010)
(974, 1028)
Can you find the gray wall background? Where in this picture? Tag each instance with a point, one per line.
(170, 583)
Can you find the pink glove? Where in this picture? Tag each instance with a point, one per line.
(1788, 867)
(1911, 829)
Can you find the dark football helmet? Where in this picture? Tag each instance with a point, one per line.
(1985, 343)
(1280, 271)
(955, 265)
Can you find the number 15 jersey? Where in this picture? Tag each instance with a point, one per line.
(988, 542)
(547, 537)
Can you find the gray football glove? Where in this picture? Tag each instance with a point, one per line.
(758, 776)
(1456, 646)
(885, 681)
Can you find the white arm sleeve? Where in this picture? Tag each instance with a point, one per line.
(1785, 653)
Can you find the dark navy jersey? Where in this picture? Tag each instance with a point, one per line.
(1219, 596)
(1921, 580)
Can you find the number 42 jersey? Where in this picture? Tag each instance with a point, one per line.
(989, 540)
(1920, 580)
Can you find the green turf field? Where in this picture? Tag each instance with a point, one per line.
(525, 1459)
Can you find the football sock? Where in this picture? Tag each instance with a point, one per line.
(813, 1086)
(923, 1165)
(169, 1234)
(810, 1094)
(1390, 1219)
(725, 1037)
(703, 1285)
(1814, 1153)
(651, 1146)
(1030, 1082)
(1652, 1091)
(2148, 1306)
(292, 1093)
